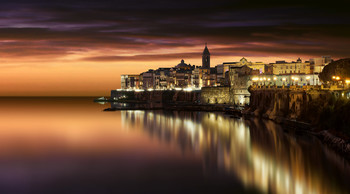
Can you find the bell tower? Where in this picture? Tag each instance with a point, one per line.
(206, 57)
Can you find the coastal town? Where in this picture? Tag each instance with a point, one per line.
(228, 83)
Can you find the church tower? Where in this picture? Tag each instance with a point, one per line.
(206, 57)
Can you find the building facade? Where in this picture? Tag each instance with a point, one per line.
(298, 67)
(317, 64)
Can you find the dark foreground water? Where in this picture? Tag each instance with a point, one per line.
(67, 145)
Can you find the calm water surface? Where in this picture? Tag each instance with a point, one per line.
(69, 145)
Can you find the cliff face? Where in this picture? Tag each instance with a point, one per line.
(274, 103)
(295, 104)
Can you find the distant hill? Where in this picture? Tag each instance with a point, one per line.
(339, 68)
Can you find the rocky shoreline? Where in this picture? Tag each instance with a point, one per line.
(340, 145)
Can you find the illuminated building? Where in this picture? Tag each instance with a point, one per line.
(260, 66)
(286, 80)
(130, 81)
(163, 78)
(212, 77)
(298, 67)
(148, 79)
(317, 64)
(196, 78)
(222, 74)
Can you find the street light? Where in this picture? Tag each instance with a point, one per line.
(296, 80)
(308, 80)
(335, 78)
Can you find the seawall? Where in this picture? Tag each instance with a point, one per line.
(215, 95)
(161, 96)
(207, 95)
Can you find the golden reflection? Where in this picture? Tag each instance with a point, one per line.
(259, 153)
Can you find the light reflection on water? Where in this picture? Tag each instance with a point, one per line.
(257, 152)
(69, 145)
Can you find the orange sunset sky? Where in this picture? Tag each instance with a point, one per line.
(80, 48)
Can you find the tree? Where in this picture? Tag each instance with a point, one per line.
(339, 68)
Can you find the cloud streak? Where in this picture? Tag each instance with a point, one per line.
(137, 25)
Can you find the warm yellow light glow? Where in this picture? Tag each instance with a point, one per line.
(255, 79)
(333, 77)
(347, 81)
(284, 79)
(188, 89)
(275, 78)
(268, 79)
(237, 148)
(337, 78)
(308, 77)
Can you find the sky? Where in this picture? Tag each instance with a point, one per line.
(80, 48)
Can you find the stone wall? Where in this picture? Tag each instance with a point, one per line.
(239, 96)
(215, 95)
(165, 96)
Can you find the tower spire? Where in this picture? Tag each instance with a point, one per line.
(206, 57)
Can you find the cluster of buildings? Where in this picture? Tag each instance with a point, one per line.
(236, 75)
